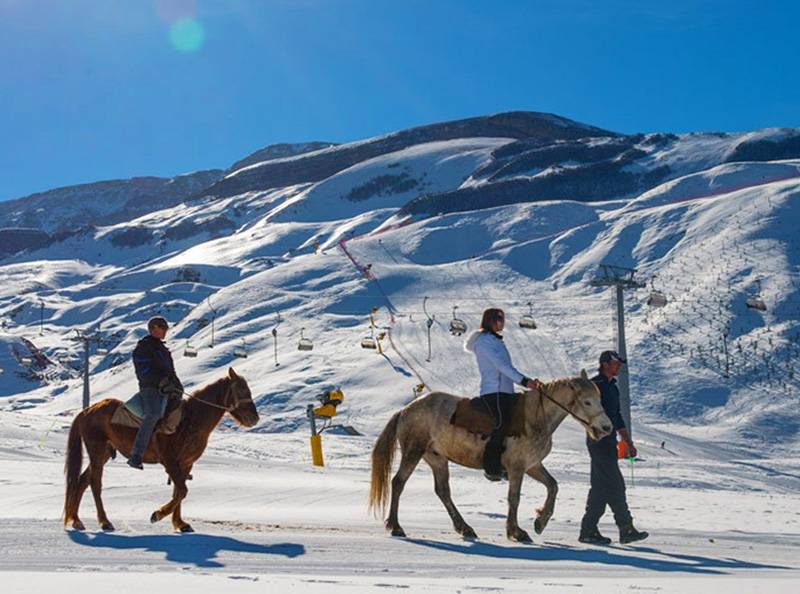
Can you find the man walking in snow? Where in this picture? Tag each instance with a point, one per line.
(607, 484)
(158, 383)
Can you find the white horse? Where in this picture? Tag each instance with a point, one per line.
(424, 431)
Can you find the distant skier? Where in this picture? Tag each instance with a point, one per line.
(158, 382)
(498, 377)
(607, 484)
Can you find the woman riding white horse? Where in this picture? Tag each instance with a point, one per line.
(498, 376)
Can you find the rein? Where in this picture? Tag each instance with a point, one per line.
(564, 408)
(219, 406)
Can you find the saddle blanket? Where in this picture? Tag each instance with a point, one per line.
(473, 415)
(130, 415)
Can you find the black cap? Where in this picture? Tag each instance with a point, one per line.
(157, 321)
(609, 356)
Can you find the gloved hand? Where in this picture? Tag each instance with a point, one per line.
(167, 387)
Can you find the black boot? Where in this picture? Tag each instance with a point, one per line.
(135, 461)
(492, 468)
(593, 536)
(628, 534)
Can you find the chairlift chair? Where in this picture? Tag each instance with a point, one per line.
(755, 301)
(369, 342)
(189, 351)
(241, 351)
(304, 344)
(656, 299)
(527, 321)
(457, 326)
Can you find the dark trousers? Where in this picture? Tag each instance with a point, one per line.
(499, 406)
(607, 486)
(153, 405)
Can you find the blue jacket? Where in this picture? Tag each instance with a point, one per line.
(609, 397)
(153, 362)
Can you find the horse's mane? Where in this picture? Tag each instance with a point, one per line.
(556, 383)
(213, 385)
(192, 408)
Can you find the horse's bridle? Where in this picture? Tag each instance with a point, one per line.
(237, 402)
(544, 394)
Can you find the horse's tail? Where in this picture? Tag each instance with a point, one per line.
(72, 468)
(382, 457)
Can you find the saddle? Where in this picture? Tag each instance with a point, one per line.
(128, 415)
(473, 415)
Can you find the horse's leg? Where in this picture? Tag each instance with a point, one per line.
(513, 531)
(441, 481)
(408, 462)
(83, 484)
(179, 491)
(98, 456)
(544, 513)
(177, 522)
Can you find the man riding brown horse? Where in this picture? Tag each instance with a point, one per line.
(158, 384)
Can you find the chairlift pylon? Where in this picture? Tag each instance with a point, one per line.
(457, 326)
(304, 344)
(275, 337)
(428, 324)
(527, 321)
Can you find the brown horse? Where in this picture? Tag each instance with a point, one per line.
(424, 431)
(178, 451)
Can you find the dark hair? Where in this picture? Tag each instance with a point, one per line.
(490, 316)
(157, 322)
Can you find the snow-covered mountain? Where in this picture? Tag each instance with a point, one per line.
(508, 210)
(46, 217)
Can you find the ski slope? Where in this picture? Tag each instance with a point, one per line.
(718, 481)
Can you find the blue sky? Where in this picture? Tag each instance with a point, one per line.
(106, 89)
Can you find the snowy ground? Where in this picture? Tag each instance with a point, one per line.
(264, 515)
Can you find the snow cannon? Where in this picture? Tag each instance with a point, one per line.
(329, 401)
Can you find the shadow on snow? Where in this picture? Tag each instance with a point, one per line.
(197, 549)
(673, 562)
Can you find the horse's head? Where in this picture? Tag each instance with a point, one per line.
(239, 400)
(588, 408)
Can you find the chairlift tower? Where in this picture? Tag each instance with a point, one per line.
(87, 340)
(620, 278)
(213, 317)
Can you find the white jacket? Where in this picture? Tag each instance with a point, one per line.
(494, 363)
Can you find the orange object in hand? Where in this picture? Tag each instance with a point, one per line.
(622, 450)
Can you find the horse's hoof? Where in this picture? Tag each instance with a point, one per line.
(538, 526)
(107, 527)
(468, 533)
(186, 529)
(399, 532)
(154, 518)
(78, 525)
(521, 536)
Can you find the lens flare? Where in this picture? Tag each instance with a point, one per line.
(187, 35)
